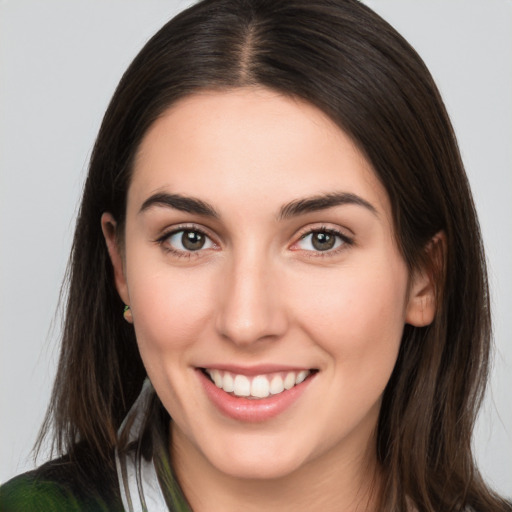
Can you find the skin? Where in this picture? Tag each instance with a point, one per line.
(260, 293)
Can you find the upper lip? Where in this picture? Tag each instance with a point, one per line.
(253, 370)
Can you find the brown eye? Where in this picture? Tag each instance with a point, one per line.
(188, 240)
(323, 241)
(192, 240)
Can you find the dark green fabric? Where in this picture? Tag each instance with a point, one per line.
(26, 494)
(62, 485)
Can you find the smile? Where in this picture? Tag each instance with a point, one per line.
(257, 386)
(257, 394)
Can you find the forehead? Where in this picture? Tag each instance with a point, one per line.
(250, 144)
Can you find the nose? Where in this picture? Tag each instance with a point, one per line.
(250, 303)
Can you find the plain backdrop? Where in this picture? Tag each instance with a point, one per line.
(59, 64)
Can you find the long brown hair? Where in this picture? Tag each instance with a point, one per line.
(343, 58)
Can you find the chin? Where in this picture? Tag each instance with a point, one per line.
(261, 460)
(268, 469)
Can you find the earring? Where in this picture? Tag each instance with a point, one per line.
(127, 313)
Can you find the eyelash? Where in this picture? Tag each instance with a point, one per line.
(345, 241)
(177, 252)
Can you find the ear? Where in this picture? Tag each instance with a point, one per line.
(109, 228)
(422, 303)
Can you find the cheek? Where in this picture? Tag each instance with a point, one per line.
(169, 308)
(356, 314)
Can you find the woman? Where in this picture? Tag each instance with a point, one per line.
(277, 230)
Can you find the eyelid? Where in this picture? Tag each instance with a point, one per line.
(173, 230)
(186, 226)
(346, 240)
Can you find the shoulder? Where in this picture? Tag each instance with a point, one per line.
(62, 485)
(29, 492)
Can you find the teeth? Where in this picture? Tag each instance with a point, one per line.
(259, 386)
(276, 385)
(228, 383)
(217, 378)
(289, 381)
(242, 386)
(301, 376)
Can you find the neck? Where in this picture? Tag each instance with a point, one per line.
(348, 482)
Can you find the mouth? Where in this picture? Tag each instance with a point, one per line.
(256, 387)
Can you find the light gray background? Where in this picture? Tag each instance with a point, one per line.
(59, 64)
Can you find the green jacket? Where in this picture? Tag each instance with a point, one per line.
(63, 485)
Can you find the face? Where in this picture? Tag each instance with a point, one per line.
(267, 291)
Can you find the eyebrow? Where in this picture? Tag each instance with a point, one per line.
(323, 202)
(292, 209)
(179, 202)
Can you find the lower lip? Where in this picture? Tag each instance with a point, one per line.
(252, 411)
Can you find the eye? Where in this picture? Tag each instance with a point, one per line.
(188, 240)
(322, 240)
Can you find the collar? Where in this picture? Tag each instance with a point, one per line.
(140, 475)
